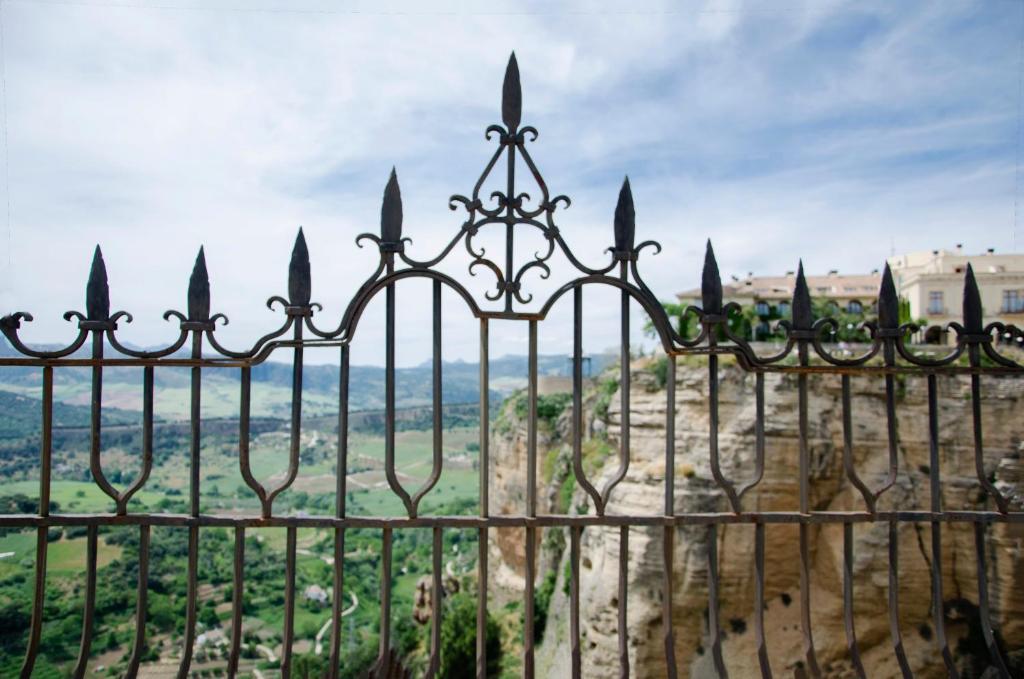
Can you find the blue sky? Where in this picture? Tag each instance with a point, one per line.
(829, 131)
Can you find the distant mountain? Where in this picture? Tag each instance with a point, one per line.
(20, 416)
(414, 385)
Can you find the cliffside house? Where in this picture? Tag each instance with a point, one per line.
(933, 283)
(770, 296)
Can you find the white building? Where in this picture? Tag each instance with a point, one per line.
(933, 284)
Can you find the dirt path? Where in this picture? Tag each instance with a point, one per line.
(318, 646)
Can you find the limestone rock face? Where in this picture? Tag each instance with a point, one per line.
(642, 492)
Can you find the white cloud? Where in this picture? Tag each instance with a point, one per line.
(781, 130)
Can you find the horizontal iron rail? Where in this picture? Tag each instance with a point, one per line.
(506, 520)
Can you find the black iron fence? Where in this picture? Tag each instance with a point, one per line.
(888, 357)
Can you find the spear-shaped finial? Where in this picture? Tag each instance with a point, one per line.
(888, 302)
(391, 211)
(299, 285)
(802, 317)
(972, 303)
(711, 283)
(199, 290)
(511, 95)
(625, 219)
(97, 292)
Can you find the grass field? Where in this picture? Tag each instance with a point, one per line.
(64, 557)
(223, 491)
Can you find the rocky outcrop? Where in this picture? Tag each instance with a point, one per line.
(641, 492)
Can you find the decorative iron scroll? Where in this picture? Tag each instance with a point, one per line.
(888, 355)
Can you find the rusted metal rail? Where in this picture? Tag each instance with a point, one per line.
(976, 354)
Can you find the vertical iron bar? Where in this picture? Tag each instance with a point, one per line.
(851, 632)
(190, 603)
(528, 603)
(714, 625)
(670, 438)
(389, 394)
(482, 534)
(994, 655)
(979, 444)
(574, 600)
(147, 431)
(45, 457)
(531, 503)
(935, 487)
(193, 530)
(624, 389)
(197, 340)
(668, 533)
(81, 665)
(481, 605)
(289, 602)
(623, 609)
(244, 410)
(95, 417)
(759, 535)
(140, 604)
(624, 445)
(484, 416)
(341, 473)
(438, 395)
(295, 438)
(338, 602)
(38, 596)
(384, 659)
(237, 601)
(894, 599)
(890, 417)
(716, 468)
(436, 599)
(805, 555)
(531, 423)
(46, 442)
(762, 644)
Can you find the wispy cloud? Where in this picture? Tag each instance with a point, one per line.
(827, 131)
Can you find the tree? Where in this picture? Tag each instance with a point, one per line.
(685, 323)
(458, 639)
(309, 666)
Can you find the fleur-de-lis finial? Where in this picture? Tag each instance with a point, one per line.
(972, 303)
(888, 302)
(511, 96)
(299, 283)
(711, 283)
(199, 290)
(97, 291)
(625, 219)
(391, 211)
(802, 316)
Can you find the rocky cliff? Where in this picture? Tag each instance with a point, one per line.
(641, 492)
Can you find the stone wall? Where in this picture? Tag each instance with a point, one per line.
(642, 492)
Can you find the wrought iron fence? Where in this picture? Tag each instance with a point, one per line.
(804, 354)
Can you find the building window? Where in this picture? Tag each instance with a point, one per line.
(762, 332)
(761, 308)
(782, 308)
(935, 302)
(854, 307)
(1013, 301)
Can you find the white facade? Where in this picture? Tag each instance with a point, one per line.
(933, 283)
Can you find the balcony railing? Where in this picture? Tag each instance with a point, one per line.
(888, 358)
